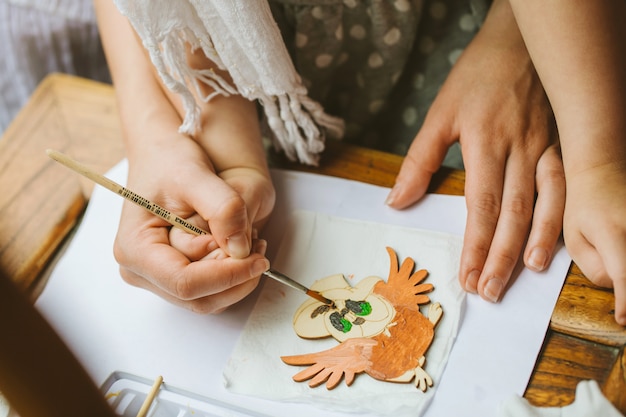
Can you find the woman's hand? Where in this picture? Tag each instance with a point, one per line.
(494, 104)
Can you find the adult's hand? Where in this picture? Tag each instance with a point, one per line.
(494, 104)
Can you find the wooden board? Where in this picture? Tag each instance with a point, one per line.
(41, 201)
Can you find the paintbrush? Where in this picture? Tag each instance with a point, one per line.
(296, 285)
(168, 216)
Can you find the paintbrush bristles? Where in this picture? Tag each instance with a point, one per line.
(319, 297)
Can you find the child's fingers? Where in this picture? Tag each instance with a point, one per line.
(606, 269)
(619, 288)
(593, 267)
(192, 246)
(226, 213)
(612, 249)
(259, 246)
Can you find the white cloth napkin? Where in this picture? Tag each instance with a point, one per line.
(315, 246)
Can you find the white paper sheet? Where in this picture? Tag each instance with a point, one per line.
(112, 326)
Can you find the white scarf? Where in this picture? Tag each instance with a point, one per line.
(241, 37)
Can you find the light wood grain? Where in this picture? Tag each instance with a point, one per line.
(41, 202)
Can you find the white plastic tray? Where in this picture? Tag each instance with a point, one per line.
(126, 393)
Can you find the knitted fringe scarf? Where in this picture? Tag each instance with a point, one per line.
(241, 37)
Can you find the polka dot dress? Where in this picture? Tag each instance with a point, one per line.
(378, 64)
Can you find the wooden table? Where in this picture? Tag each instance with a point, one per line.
(41, 202)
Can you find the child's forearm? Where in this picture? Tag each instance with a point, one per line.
(579, 51)
(229, 131)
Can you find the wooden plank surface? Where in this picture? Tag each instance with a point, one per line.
(41, 202)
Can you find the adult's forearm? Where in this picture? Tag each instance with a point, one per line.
(141, 100)
(229, 130)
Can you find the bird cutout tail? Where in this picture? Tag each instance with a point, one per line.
(422, 379)
(403, 286)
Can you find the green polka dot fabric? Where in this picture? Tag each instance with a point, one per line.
(378, 64)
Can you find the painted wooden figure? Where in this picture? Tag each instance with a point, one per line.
(379, 325)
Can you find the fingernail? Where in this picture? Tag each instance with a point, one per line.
(392, 195)
(620, 315)
(538, 259)
(493, 289)
(260, 246)
(259, 266)
(238, 246)
(212, 246)
(471, 283)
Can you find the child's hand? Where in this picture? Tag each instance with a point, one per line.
(588, 100)
(494, 104)
(595, 228)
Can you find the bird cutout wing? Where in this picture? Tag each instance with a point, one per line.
(378, 324)
(403, 286)
(347, 359)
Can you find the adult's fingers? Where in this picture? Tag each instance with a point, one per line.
(164, 270)
(547, 222)
(209, 304)
(512, 225)
(483, 196)
(423, 159)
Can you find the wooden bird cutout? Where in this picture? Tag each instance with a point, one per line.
(378, 324)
